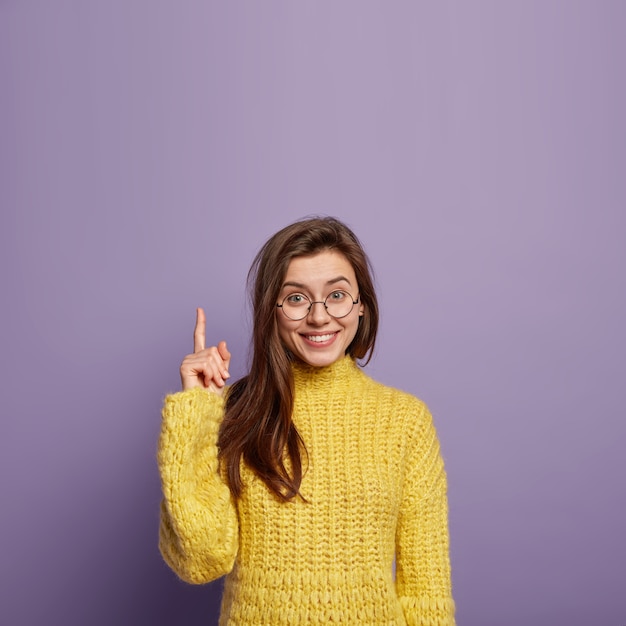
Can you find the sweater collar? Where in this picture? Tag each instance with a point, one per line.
(341, 370)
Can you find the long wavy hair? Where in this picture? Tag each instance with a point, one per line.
(257, 425)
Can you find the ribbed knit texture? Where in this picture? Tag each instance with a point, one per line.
(375, 487)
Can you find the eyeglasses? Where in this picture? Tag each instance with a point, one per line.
(338, 304)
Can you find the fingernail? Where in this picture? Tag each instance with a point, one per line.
(226, 374)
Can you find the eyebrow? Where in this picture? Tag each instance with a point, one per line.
(332, 281)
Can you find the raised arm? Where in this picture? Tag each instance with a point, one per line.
(198, 534)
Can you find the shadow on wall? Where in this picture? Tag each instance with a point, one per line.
(148, 592)
(99, 564)
(157, 596)
(120, 578)
(176, 602)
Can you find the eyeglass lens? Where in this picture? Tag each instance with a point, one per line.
(338, 304)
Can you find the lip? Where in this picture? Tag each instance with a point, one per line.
(319, 344)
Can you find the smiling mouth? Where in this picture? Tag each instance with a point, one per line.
(320, 338)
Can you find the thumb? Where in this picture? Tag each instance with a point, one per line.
(224, 353)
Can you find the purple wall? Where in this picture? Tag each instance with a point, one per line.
(147, 149)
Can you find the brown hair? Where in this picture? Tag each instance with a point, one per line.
(257, 423)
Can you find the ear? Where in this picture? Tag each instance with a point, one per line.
(361, 310)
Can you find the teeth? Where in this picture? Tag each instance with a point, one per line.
(319, 338)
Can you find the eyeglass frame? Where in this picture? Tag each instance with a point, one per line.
(312, 302)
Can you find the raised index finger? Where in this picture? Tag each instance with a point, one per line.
(199, 334)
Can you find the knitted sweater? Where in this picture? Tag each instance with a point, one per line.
(375, 489)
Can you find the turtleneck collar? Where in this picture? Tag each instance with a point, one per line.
(341, 370)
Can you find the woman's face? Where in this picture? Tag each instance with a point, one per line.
(319, 339)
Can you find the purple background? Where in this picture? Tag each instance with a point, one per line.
(147, 149)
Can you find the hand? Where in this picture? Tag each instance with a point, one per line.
(206, 367)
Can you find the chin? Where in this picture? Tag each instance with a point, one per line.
(319, 360)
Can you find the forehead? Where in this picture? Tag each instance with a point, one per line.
(320, 269)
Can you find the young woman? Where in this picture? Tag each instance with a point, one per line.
(306, 479)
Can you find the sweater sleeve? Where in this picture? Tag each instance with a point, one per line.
(198, 534)
(423, 576)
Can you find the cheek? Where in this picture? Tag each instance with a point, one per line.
(284, 328)
(360, 323)
(353, 328)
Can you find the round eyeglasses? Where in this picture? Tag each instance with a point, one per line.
(338, 304)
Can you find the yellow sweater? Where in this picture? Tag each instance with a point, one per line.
(376, 489)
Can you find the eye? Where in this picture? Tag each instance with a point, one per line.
(337, 296)
(296, 299)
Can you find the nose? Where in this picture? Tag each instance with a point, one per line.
(318, 315)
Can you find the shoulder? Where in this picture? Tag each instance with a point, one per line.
(398, 397)
(403, 424)
(401, 405)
